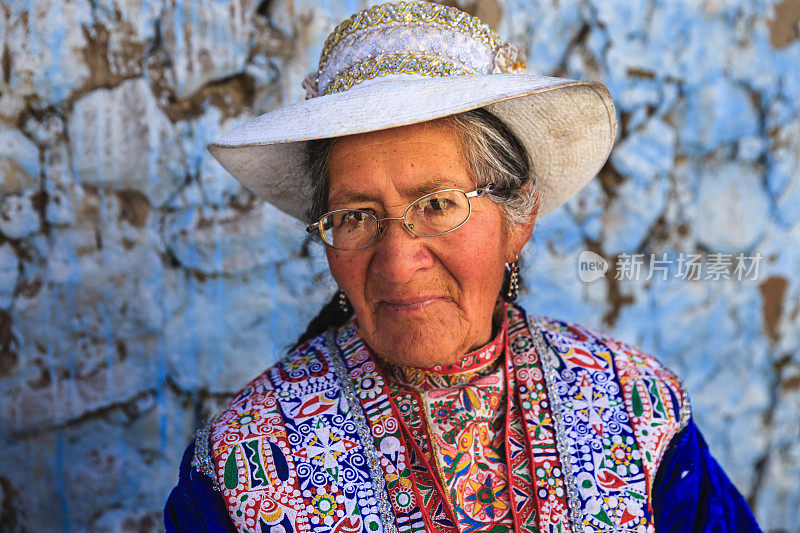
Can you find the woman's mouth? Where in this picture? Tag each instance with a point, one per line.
(408, 305)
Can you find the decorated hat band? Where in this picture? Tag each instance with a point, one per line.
(409, 39)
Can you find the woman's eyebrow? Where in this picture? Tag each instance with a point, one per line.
(427, 185)
(351, 197)
(431, 184)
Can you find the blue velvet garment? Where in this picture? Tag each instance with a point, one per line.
(194, 505)
(690, 493)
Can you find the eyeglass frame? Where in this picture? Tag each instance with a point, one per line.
(316, 230)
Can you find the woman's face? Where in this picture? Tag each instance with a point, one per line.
(419, 301)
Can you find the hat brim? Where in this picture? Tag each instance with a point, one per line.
(567, 126)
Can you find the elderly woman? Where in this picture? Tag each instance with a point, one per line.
(421, 398)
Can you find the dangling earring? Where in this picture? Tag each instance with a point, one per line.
(513, 279)
(344, 305)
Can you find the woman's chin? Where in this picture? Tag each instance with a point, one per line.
(419, 339)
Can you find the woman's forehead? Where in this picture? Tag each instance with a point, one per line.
(407, 162)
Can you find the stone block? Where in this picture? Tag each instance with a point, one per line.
(733, 210)
(751, 149)
(205, 40)
(120, 139)
(587, 208)
(544, 30)
(100, 465)
(230, 329)
(254, 236)
(557, 233)
(96, 281)
(717, 113)
(301, 29)
(131, 31)
(18, 215)
(214, 185)
(630, 215)
(30, 480)
(551, 287)
(753, 62)
(19, 162)
(58, 169)
(60, 209)
(68, 377)
(697, 46)
(646, 154)
(47, 64)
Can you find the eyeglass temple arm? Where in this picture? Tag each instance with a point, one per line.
(489, 188)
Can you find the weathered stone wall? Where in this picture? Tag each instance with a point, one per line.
(140, 286)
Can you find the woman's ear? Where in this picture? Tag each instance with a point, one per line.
(519, 234)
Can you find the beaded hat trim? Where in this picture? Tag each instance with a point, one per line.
(395, 64)
(410, 12)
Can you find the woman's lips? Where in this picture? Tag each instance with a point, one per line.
(409, 305)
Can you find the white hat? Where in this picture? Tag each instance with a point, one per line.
(408, 62)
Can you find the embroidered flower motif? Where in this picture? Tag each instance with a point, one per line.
(550, 486)
(493, 398)
(625, 456)
(324, 507)
(403, 500)
(441, 412)
(403, 406)
(486, 500)
(247, 417)
(325, 445)
(369, 387)
(620, 452)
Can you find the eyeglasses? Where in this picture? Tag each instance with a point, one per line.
(434, 214)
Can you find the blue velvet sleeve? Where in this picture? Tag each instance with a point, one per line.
(692, 493)
(194, 505)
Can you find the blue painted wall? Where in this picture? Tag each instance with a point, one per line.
(140, 286)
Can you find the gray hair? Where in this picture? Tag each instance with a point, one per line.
(493, 154)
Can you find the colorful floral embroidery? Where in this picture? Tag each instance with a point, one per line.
(605, 455)
(534, 441)
(460, 427)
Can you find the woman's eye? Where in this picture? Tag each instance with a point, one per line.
(442, 203)
(354, 217)
(438, 204)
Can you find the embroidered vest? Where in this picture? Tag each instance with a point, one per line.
(315, 443)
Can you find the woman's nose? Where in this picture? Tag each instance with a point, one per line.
(399, 254)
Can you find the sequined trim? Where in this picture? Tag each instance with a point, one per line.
(202, 461)
(549, 367)
(686, 407)
(395, 64)
(410, 12)
(360, 419)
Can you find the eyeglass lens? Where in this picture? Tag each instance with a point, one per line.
(431, 215)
